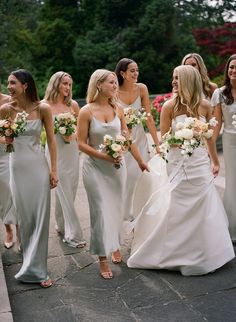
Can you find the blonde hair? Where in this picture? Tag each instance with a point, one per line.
(98, 77)
(189, 89)
(52, 90)
(203, 72)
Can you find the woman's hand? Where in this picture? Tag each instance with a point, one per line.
(143, 166)
(9, 140)
(53, 179)
(215, 169)
(68, 138)
(116, 161)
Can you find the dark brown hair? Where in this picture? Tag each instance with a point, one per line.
(122, 66)
(25, 77)
(227, 93)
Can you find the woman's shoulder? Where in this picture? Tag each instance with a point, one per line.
(44, 105)
(74, 106)
(6, 107)
(142, 87)
(169, 104)
(213, 86)
(217, 96)
(85, 111)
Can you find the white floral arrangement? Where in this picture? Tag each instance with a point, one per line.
(189, 135)
(134, 117)
(12, 128)
(234, 120)
(115, 147)
(65, 124)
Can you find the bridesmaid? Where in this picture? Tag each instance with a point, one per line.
(134, 95)
(7, 213)
(31, 178)
(59, 97)
(197, 62)
(224, 102)
(104, 183)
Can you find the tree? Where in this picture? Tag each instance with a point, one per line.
(219, 42)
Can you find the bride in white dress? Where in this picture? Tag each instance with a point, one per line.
(176, 229)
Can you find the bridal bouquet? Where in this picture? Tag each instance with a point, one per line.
(234, 120)
(115, 147)
(134, 117)
(65, 124)
(12, 128)
(189, 135)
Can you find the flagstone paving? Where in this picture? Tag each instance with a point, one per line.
(80, 294)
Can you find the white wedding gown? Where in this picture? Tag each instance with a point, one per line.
(183, 226)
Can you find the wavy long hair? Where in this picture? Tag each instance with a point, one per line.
(227, 91)
(189, 92)
(53, 88)
(97, 78)
(203, 72)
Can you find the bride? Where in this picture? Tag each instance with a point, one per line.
(183, 225)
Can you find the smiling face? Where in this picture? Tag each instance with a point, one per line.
(65, 86)
(109, 86)
(15, 87)
(191, 61)
(131, 74)
(175, 81)
(232, 70)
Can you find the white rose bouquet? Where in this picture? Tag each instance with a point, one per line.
(65, 124)
(115, 147)
(12, 128)
(234, 120)
(189, 135)
(134, 117)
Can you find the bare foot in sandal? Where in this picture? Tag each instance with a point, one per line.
(116, 257)
(47, 283)
(105, 270)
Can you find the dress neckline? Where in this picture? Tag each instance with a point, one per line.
(102, 121)
(131, 103)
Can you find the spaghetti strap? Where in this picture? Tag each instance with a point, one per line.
(139, 90)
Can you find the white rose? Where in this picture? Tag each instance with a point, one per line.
(234, 123)
(179, 134)
(234, 116)
(116, 147)
(107, 139)
(208, 134)
(189, 121)
(179, 126)
(120, 138)
(62, 130)
(187, 134)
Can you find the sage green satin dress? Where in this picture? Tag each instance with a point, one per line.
(31, 195)
(104, 185)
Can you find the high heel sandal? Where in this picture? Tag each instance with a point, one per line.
(8, 243)
(108, 273)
